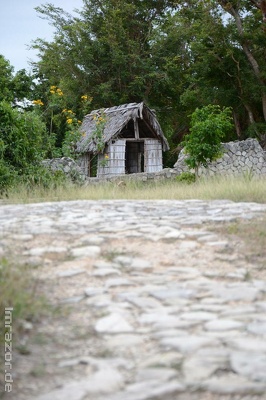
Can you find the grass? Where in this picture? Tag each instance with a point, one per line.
(236, 189)
(18, 291)
(252, 234)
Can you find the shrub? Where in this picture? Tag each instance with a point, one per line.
(209, 125)
(186, 177)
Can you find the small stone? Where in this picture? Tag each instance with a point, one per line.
(257, 327)
(90, 292)
(88, 251)
(204, 363)
(189, 343)
(123, 260)
(144, 302)
(166, 294)
(159, 374)
(39, 251)
(106, 380)
(72, 300)
(174, 234)
(154, 390)
(249, 364)
(101, 272)
(236, 293)
(126, 341)
(247, 344)
(103, 264)
(140, 264)
(233, 384)
(198, 316)
(113, 323)
(223, 325)
(70, 272)
(118, 282)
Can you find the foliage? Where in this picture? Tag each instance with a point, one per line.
(23, 138)
(73, 134)
(97, 136)
(175, 55)
(14, 88)
(5, 79)
(186, 177)
(208, 126)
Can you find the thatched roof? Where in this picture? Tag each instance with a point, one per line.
(116, 118)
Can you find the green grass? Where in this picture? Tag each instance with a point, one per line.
(236, 189)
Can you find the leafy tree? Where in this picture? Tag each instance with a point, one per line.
(209, 125)
(22, 144)
(6, 71)
(176, 55)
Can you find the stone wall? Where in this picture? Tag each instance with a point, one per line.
(166, 173)
(246, 156)
(68, 166)
(239, 157)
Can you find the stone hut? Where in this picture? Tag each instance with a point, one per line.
(131, 141)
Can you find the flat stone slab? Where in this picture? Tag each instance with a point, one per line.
(113, 323)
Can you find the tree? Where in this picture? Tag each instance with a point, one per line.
(209, 125)
(6, 71)
(23, 144)
(176, 55)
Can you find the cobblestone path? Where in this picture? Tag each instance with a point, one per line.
(155, 304)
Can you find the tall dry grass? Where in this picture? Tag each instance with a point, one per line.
(244, 188)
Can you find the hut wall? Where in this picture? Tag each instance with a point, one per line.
(115, 164)
(153, 155)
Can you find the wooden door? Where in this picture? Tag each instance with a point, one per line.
(153, 157)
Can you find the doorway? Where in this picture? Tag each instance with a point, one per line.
(134, 157)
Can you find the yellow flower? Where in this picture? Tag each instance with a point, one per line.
(70, 112)
(69, 121)
(52, 87)
(79, 122)
(52, 91)
(106, 156)
(38, 102)
(64, 110)
(59, 92)
(84, 97)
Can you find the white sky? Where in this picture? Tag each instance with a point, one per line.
(20, 25)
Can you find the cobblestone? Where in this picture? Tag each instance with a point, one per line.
(159, 307)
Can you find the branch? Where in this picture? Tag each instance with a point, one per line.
(255, 3)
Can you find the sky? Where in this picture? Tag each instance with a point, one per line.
(20, 25)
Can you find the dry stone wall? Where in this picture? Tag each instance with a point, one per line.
(239, 157)
(66, 165)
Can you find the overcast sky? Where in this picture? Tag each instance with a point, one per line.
(20, 24)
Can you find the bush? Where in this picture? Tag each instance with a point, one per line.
(186, 177)
(8, 176)
(209, 125)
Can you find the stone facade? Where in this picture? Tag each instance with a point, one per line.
(68, 166)
(239, 157)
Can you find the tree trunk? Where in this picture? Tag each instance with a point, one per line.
(237, 124)
(253, 62)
